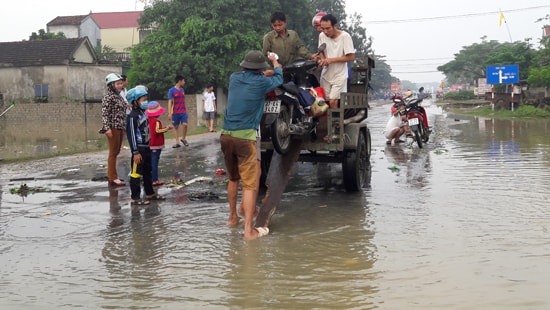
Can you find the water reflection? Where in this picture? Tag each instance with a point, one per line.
(48, 137)
(133, 256)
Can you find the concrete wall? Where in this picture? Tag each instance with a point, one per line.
(69, 115)
(70, 31)
(65, 83)
(89, 29)
(119, 39)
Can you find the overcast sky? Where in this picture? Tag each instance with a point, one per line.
(413, 49)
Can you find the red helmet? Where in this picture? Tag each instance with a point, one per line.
(316, 21)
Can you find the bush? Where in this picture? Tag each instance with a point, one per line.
(461, 95)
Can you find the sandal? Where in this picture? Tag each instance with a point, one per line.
(155, 197)
(184, 142)
(117, 182)
(158, 183)
(140, 202)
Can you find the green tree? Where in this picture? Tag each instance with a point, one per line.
(539, 74)
(472, 61)
(43, 35)
(201, 41)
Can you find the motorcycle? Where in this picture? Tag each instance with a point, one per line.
(417, 118)
(286, 109)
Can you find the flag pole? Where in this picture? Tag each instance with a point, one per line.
(503, 18)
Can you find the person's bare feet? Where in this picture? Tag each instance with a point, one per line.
(233, 221)
(255, 233)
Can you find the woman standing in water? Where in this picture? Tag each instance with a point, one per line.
(113, 114)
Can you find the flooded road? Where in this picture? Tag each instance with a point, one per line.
(461, 224)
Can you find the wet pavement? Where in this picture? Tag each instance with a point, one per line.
(460, 224)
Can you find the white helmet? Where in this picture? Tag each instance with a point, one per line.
(112, 77)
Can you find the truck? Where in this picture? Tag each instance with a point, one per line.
(340, 137)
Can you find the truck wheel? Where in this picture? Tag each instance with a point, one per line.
(355, 165)
(280, 132)
(502, 104)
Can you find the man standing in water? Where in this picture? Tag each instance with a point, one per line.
(243, 113)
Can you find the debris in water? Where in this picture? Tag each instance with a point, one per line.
(24, 190)
(394, 167)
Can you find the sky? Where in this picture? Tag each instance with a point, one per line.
(415, 36)
(418, 36)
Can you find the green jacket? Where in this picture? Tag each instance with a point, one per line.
(288, 48)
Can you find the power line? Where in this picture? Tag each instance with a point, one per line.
(410, 72)
(454, 16)
(417, 59)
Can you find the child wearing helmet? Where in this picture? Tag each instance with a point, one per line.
(113, 118)
(138, 134)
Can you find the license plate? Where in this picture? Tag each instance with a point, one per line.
(413, 121)
(272, 106)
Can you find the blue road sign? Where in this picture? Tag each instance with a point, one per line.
(503, 74)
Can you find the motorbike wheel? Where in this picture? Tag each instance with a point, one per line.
(425, 134)
(356, 165)
(418, 137)
(280, 132)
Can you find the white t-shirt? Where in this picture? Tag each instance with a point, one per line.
(394, 122)
(337, 47)
(209, 99)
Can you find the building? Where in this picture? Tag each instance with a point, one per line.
(118, 31)
(78, 26)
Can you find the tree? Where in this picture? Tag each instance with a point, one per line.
(43, 35)
(471, 62)
(198, 40)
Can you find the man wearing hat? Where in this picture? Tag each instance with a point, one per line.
(243, 113)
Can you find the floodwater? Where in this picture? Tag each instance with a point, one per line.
(461, 224)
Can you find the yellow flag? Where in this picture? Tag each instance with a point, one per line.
(500, 19)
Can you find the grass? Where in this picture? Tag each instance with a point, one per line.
(523, 111)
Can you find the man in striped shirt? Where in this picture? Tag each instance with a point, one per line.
(177, 112)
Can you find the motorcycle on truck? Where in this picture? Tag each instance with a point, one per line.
(337, 135)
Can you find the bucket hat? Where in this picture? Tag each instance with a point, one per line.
(154, 109)
(254, 60)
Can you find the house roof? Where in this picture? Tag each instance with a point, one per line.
(41, 52)
(67, 20)
(117, 19)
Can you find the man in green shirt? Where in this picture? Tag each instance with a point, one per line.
(284, 42)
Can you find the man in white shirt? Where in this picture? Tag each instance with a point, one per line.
(209, 107)
(339, 51)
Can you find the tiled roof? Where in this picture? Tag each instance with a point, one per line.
(67, 20)
(117, 19)
(39, 52)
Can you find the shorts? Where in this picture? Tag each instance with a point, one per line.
(335, 88)
(180, 118)
(241, 160)
(209, 115)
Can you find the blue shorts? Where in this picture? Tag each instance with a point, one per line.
(180, 118)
